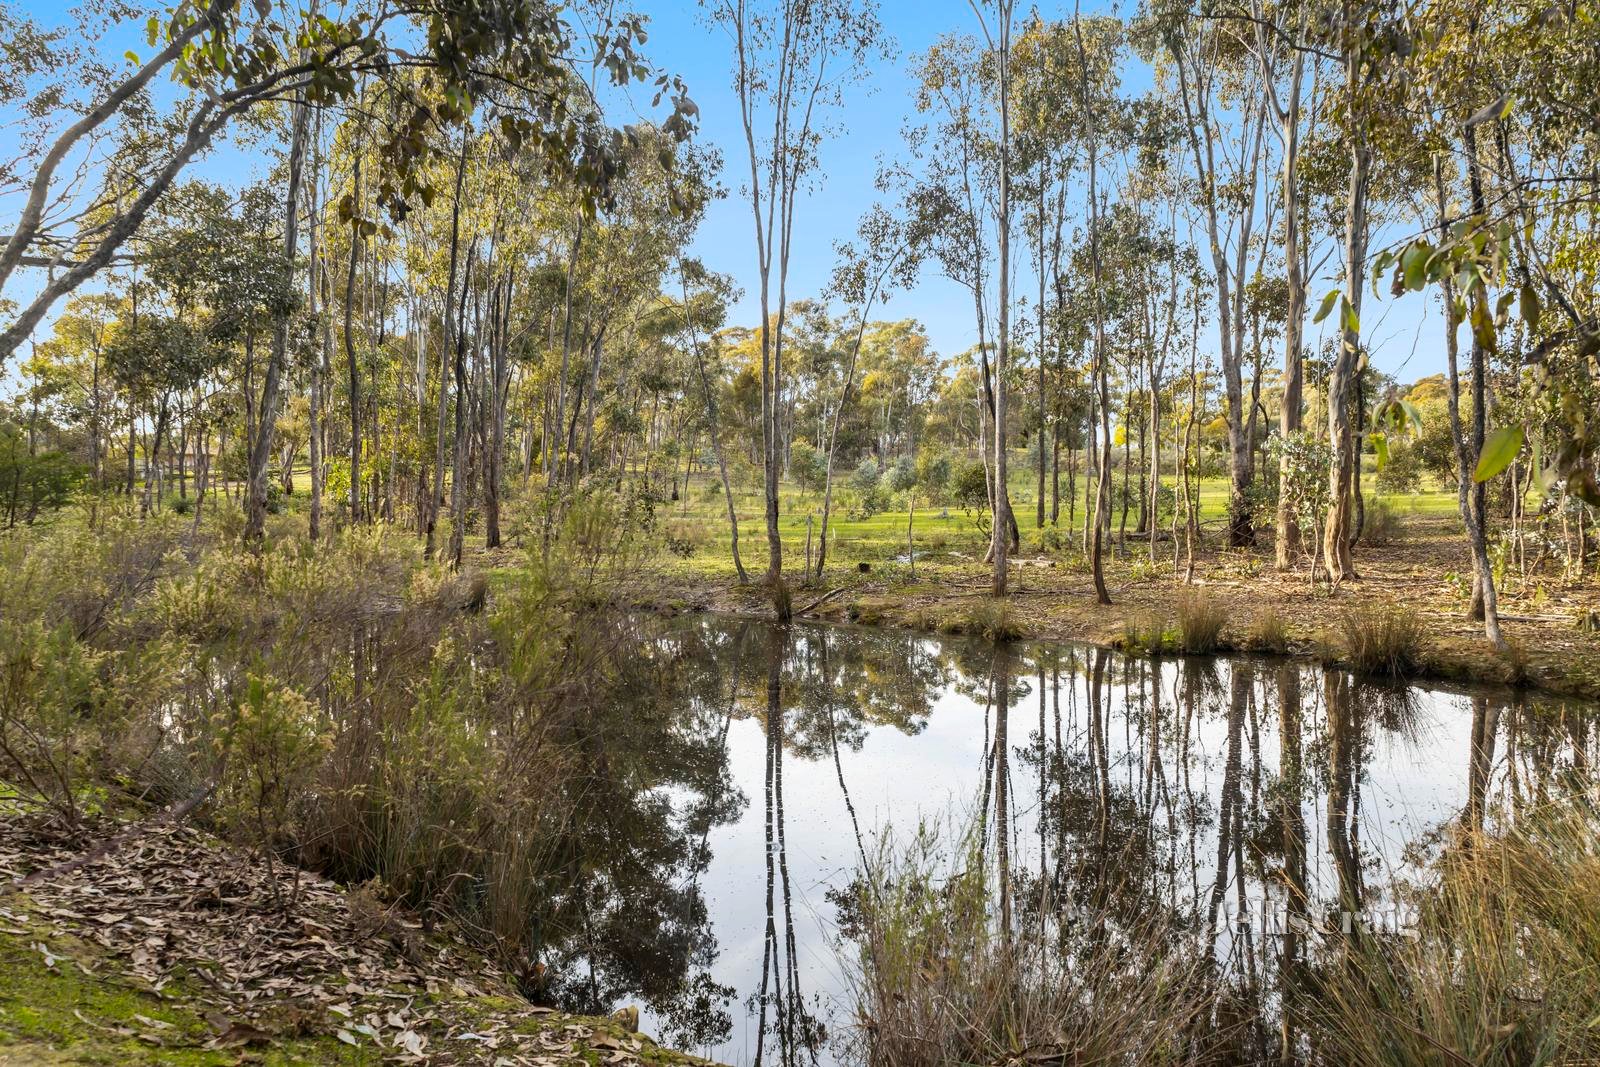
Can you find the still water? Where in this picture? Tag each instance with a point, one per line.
(1249, 797)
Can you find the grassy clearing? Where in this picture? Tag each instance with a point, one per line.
(1421, 563)
(938, 529)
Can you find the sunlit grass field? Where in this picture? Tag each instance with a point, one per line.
(938, 527)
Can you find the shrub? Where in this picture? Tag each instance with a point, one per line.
(1382, 639)
(969, 486)
(808, 466)
(1200, 621)
(1381, 524)
(864, 479)
(933, 470)
(990, 618)
(50, 704)
(1402, 472)
(1049, 539)
(903, 475)
(272, 748)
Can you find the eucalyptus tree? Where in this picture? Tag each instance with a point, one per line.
(1515, 199)
(951, 197)
(1049, 136)
(1096, 97)
(1289, 62)
(885, 255)
(792, 60)
(702, 310)
(999, 39)
(1223, 108)
(1368, 42)
(230, 60)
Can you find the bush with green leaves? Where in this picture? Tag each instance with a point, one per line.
(51, 696)
(808, 466)
(1401, 473)
(1304, 458)
(969, 484)
(32, 483)
(902, 475)
(871, 494)
(933, 471)
(271, 747)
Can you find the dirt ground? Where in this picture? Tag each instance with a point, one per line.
(1549, 622)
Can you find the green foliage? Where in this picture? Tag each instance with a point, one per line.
(808, 466)
(359, 712)
(1305, 458)
(868, 483)
(903, 475)
(933, 470)
(969, 487)
(270, 747)
(1148, 633)
(33, 483)
(51, 696)
(1499, 449)
(864, 479)
(1402, 474)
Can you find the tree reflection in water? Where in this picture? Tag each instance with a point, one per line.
(1179, 788)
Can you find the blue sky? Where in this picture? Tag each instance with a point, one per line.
(1403, 333)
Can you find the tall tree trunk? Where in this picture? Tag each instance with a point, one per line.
(350, 351)
(458, 464)
(1341, 379)
(1000, 544)
(1472, 515)
(318, 264)
(1102, 500)
(255, 513)
(446, 344)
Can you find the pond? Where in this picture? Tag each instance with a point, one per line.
(1264, 800)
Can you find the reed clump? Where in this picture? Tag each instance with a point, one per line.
(1382, 639)
(1200, 621)
(937, 980)
(1499, 967)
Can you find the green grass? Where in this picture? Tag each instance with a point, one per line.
(939, 529)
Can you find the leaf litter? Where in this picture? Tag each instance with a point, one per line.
(180, 916)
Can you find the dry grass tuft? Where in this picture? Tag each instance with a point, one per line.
(1382, 639)
(1200, 622)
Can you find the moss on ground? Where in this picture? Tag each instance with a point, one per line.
(72, 1009)
(63, 1000)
